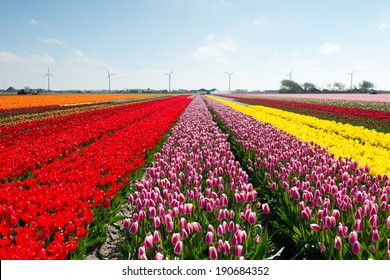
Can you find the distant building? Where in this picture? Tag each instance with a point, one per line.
(11, 89)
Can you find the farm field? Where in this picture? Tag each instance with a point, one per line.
(199, 177)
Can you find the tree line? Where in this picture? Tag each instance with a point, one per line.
(290, 86)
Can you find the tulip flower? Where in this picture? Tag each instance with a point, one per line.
(356, 248)
(126, 223)
(353, 237)
(213, 255)
(266, 208)
(252, 218)
(337, 243)
(209, 239)
(134, 228)
(159, 256)
(322, 247)
(238, 251)
(175, 238)
(178, 248)
(375, 235)
(315, 227)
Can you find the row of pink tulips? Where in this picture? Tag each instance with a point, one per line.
(195, 201)
(332, 204)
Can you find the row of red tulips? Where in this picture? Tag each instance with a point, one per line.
(328, 206)
(195, 201)
(27, 146)
(44, 217)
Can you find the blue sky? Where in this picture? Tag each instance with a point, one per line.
(138, 41)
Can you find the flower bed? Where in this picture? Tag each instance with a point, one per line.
(195, 201)
(328, 206)
(45, 216)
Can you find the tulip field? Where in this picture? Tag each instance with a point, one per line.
(200, 177)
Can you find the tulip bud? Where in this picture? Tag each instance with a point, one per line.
(178, 248)
(134, 228)
(252, 218)
(156, 236)
(226, 247)
(337, 243)
(126, 223)
(388, 223)
(213, 254)
(175, 238)
(159, 257)
(353, 237)
(266, 208)
(374, 221)
(238, 251)
(375, 235)
(356, 248)
(358, 226)
(209, 238)
(148, 242)
(322, 247)
(315, 227)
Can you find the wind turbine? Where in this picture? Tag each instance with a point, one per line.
(230, 75)
(290, 74)
(351, 77)
(170, 78)
(48, 75)
(109, 80)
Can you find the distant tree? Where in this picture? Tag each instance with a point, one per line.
(309, 87)
(338, 86)
(366, 86)
(290, 86)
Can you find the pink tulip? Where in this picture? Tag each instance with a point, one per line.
(220, 245)
(209, 239)
(374, 221)
(213, 255)
(322, 247)
(356, 248)
(220, 230)
(178, 248)
(388, 244)
(375, 235)
(258, 238)
(134, 228)
(151, 212)
(226, 247)
(169, 227)
(141, 251)
(342, 230)
(184, 234)
(126, 223)
(388, 223)
(252, 218)
(238, 251)
(156, 236)
(372, 249)
(183, 223)
(315, 227)
(388, 254)
(337, 243)
(196, 226)
(336, 214)
(210, 228)
(159, 257)
(148, 242)
(358, 226)
(266, 208)
(234, 241)
(175, 238)
(353, 237)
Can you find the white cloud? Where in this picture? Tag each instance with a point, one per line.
(33, 22)
(294, 53)
(260, 21)
(50, 41)
(216, 49)
(32, 59)
(384, 25)
(81, 57)
(329, 48)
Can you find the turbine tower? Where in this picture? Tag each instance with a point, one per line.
(109, 80)
(48, 75)
(290, 74)
(169, 79)
(351, 77)
(230, 75)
